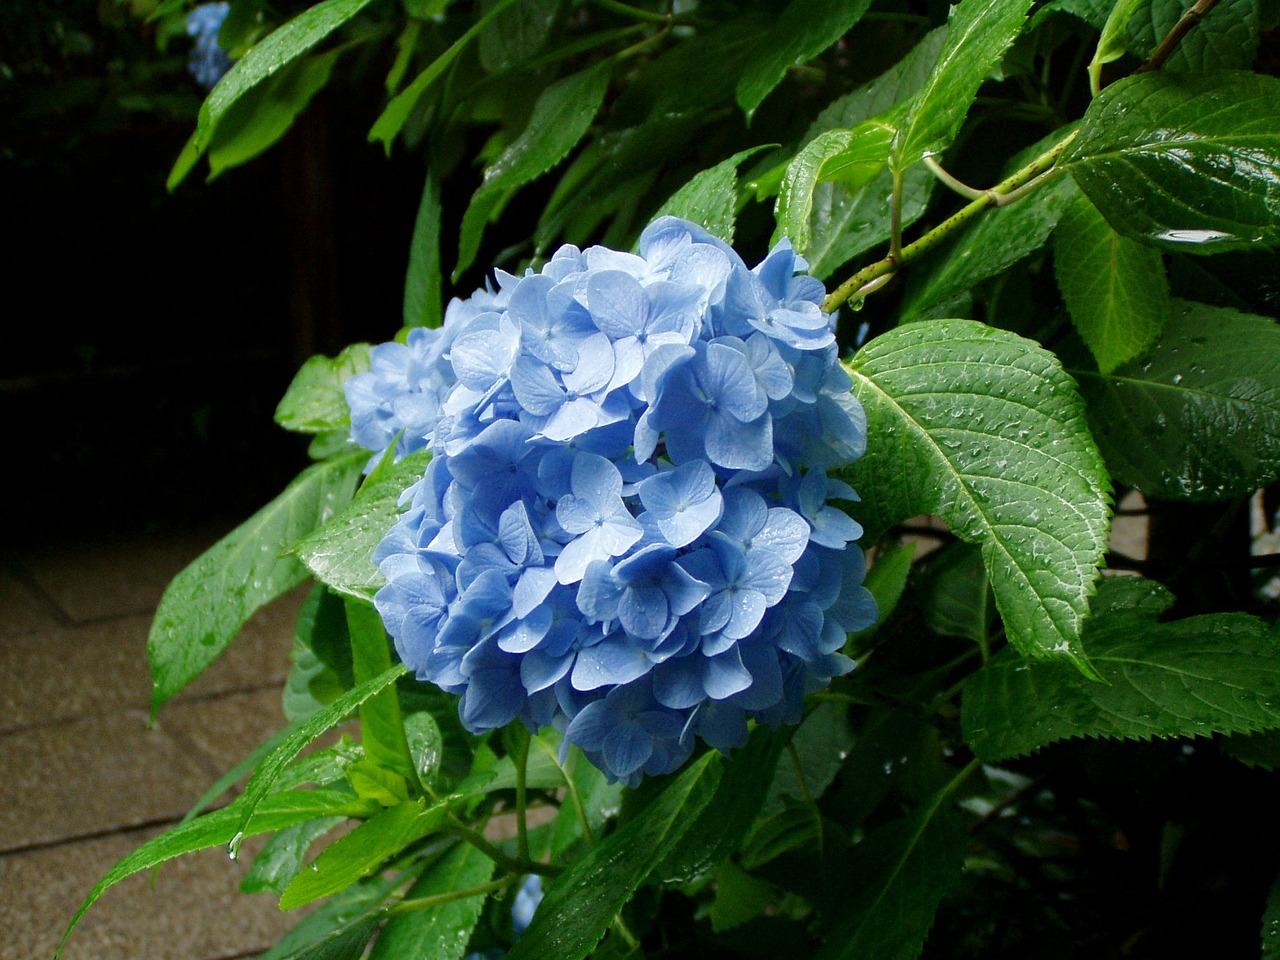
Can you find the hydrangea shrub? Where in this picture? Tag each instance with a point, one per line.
(627, 530)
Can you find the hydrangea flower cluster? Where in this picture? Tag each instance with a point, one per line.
(626, 529)
(208, 60)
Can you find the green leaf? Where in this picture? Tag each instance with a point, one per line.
(362, 851)
(1192, 677)
(955, 596)
(844, 223)
(262, 116)
(315, 401)
(886, 579)
(204, 607)
(1189, 162)
(1111, 45)
(853, 157)
(719, 829)
(339, 928)
(821, 743)
(984, 429)
(381, 724)
(423, 284)
(802, 31)
(275, 812)
(977, 36)
(710, 199)
(990, 245)
(1258, 750)
(561, 116)
(262, 62)
(581, 904)
(340, 553)
(906, 868)
(1226, 39)
(389, 123)
(321, 656)
(517, 33)
(259, 785)
(281, 858)
(440, 932)
(1271, 924)
(1198, 416)
(1115, 288)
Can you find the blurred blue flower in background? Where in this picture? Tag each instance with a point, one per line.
(208, 60)
(627, 529)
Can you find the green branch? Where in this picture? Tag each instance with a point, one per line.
(1034, 175)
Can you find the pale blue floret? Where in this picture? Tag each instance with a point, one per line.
(627, 528)
(208, 60)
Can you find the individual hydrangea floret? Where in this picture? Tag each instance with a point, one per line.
(627, 529)
(208, 60)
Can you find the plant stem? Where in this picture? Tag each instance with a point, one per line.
(1189, 19)
(522, 794)
(514, 865)
(1034, 175)
(422, 903)
(635, 13)
(574, 794)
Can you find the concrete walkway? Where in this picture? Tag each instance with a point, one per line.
(83, 781)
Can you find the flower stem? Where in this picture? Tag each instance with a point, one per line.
(422, 903)
(626, 10)
(512, 864)
(1189, 19)
(521, 760)
(1034, 175)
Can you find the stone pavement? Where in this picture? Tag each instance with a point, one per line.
(84, 781)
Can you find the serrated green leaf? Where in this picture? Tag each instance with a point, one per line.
(710, 199)
(1226, 39)
(340, 553)
(393, 118)
(517, 33)
(986, 430)
(362, 851)
(1192, 677)
(339, 928)
(423, 284)
(321, 656)
(440, 932)
(1115, 288)
(955, 596)
(561, 116)
(315, 401)
(263, 61)
(907, 867)
(1189, 162)
(582, 902)
(262, 116)
(724, 822)
(977, 35)
(853, 157)
(1271, 924)
(281, 858)
(845, 223)
(821, 743)
(259, 785)
(274, 812)
(802, 31)
(1258, 750)
(204, 607)
(989, 246)
(1198, 416)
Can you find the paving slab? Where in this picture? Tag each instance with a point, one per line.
(119, 577)
(56, 673)
(193, 912)
(227, 729)
(21, 611)
(92, 776)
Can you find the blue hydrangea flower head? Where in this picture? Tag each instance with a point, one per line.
(208, 60)
(627, 529)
